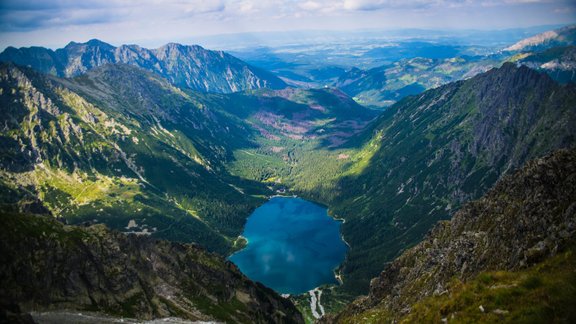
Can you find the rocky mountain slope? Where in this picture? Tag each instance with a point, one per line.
(122, 146)
(559, 37)
(383, 86)
(429, 153)
(558, 62)
(527, 218)
(184, 66)
(46, 265)
(551, 52)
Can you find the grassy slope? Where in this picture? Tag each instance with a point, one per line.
(544, 293)
(430, 153)
(120, 144)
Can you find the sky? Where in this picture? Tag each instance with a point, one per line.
(152, 23)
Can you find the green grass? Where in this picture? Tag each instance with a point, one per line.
(84, 189)
(542, 294)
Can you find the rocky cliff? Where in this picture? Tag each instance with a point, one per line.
(185, 66)
(528, 217)
(46, 265)
(430, 153)
(558, 37)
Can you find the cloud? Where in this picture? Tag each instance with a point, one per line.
(197, 7)
(364, 5)
(26, 15)
(37, 22)
(311, 5)
(371, 5)
(27, 20)
(525, 1)
(18, 15)
(565, 10)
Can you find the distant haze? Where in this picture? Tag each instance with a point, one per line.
(53, 23)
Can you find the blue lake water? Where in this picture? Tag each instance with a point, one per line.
(293, 246)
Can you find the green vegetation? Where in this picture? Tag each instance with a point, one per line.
(333, 300)
(94, 154)
(430, 153)
(123, 147)
(544, 293)
(383, 86)
(98, 270)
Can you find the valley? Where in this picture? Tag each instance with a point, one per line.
(177, 146)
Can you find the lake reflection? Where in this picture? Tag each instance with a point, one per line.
(294, 246)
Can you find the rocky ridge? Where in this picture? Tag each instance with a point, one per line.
(562, 36)
(430, 153)
(527, 217)
(46, 265)
(188, 66)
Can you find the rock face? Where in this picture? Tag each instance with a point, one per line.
(557, 62)
(559, 37)
(430, 153)
(184, 66)
(48, 266)
(527, 217)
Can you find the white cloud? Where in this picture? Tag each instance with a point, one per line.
(204, 6)
(369, 5)
(311, 5)
(37, 22)
(526, 1)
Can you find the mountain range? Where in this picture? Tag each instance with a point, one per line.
(184, 66)
(426, 155)
(122, 146)
(178, 145)
(559, 37)
(551, 52)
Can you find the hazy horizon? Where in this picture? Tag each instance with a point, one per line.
(152, 23)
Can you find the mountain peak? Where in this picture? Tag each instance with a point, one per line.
(97, 42)
(180, 47)
(92, 43)
(172, 45)
(187, 66)
(562, 36)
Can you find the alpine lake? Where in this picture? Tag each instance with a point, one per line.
(293, 246)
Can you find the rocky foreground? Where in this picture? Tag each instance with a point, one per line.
(512, 248)
(45, 265)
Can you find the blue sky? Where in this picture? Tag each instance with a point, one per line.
(154, 22)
